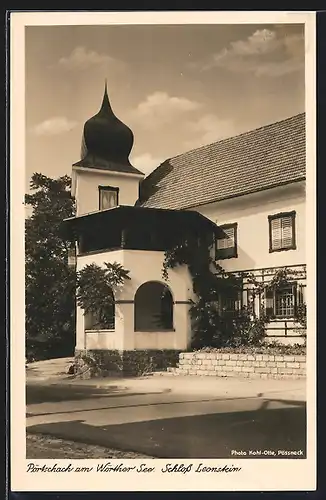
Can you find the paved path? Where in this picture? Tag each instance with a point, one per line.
(172, 417)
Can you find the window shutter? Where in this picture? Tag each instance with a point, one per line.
(269, 302)
(295, 293)
(276, 232)
(287, 232)
(300, 295)
(228, 240)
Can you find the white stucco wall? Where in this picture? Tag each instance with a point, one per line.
(144, 266)
(86, 188)
(251, 213)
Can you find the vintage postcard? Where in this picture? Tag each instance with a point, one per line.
(163, 223)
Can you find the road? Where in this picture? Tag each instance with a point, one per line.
(166, 424)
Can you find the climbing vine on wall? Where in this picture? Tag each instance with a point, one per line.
(211, 283)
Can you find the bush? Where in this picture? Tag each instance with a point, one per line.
(101, 363)
(212, 329)
(264, 348)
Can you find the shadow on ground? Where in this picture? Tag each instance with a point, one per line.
(36, 394)
(201, 436)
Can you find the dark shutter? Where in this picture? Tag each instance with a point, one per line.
(270, 302)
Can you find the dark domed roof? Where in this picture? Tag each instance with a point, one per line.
(107, 141)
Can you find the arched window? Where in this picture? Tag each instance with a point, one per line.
(153, 307)
(102, 320)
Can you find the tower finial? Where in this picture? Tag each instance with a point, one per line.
(106, 103)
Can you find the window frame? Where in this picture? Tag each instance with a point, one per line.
(227, 253)
(236, 298)
(282, 215)
(294, 288)
(107, 188)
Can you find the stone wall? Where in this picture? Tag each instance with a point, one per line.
(219, 364)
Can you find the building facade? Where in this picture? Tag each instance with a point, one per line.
(247, 191)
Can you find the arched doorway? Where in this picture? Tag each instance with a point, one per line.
(153, 307)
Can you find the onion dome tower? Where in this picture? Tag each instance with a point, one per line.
(107, 142)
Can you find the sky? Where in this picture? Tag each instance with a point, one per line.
(177, 87)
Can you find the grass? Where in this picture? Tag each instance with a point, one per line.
(40, 446)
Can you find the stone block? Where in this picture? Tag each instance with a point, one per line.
(234, 357)
(289, 358)
(188, 355)
(292, 365)
(225, 356)
(279, 358)
(285, 371)
(248, 369)
(261, 370)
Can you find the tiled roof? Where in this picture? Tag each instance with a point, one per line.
(260, 159)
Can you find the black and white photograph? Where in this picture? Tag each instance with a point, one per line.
(163, 317)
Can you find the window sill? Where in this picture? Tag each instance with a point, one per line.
(157, 330)
(271, 250)
(222, 257)
(102, 330)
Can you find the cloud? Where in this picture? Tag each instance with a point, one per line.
(159, 108)
(264, 53)
(207, 129)
(82, 58)
(146, 163)
(54, 126)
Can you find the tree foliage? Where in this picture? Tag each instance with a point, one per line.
(50, 282)
(96, 287)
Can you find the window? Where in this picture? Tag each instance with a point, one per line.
(281, 302)
(226, 244)
(282, 232)
(108, 197)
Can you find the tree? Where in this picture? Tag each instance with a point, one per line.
(50, 282)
